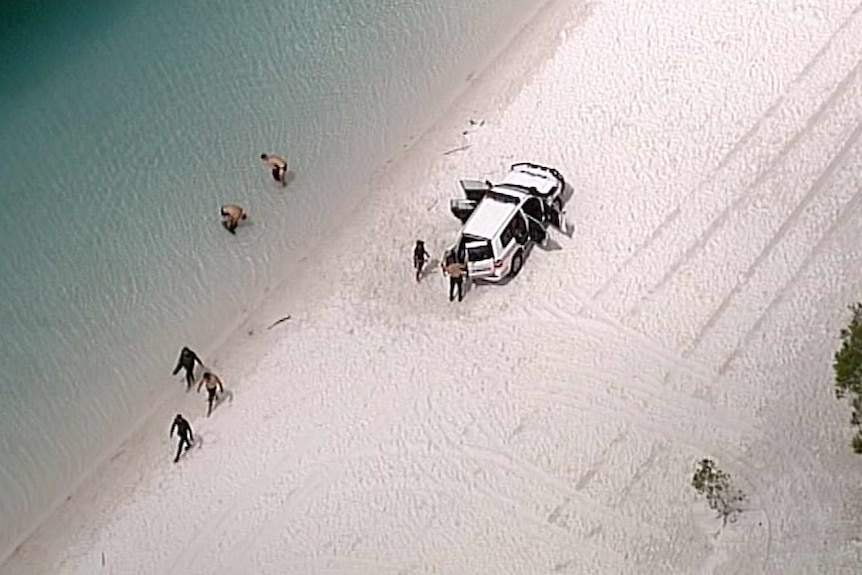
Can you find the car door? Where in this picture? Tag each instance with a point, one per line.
(480, 257)
(537, 231)
(534, 214)
(556, 217)
(462, 209)
(508, 247)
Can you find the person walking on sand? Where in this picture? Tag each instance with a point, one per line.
(420, 256)
(212, 382)
(184, 431)
(231, 215)
(278, 165)
(456, 272)
(187, 361)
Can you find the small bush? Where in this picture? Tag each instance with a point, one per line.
(848, 372)
(720, 493)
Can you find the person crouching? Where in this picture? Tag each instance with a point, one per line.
(231, 216)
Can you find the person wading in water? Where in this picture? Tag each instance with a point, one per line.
(231, 216)
(277, 165)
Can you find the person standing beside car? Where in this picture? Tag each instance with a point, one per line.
(456, 272)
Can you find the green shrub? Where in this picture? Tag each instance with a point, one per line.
(848, 372)
(715, 485)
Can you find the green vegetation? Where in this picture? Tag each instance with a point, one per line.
(720, 493)
(848, 371)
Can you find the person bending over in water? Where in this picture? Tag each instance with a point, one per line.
(184, 431)
(231, 215)
(278, 165)
(187, 361)
(212, 382)
(420, 256)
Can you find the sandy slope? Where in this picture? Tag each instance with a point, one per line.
(550, 425)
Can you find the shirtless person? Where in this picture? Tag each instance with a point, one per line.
(231, 215)
(212, 382)
(456, 272)
(278, 165)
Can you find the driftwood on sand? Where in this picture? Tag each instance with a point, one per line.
(285, 318)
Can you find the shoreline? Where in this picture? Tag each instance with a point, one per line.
(113, 477)
(551, 424)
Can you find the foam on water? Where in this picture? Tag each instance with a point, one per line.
(123, 128)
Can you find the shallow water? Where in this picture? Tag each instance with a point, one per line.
(123, 128)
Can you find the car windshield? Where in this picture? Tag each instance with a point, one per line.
(500, 197)
(479, 250)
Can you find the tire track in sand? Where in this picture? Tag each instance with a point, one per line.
(765, 144)
(609, 393)
(820, 187)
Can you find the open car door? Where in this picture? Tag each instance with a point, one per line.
(475, 190)
(480, 257)
(556, 217)
(462, 209)
(536, 230)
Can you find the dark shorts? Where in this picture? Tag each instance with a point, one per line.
(418, 263)
(212, 394)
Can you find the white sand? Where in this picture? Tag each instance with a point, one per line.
(550, 425)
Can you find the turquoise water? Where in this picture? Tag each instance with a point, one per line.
(123, 127)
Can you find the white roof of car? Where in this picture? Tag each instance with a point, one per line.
(527, 179)
(491, 215)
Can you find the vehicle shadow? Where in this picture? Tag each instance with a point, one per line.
(567, 230)
(551, 245)
(567, 194)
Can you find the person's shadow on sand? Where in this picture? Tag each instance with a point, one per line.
(429, 267)
(226, 396)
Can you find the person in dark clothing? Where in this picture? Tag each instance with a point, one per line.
(187, 361)
(420, 256)
(184, 431)
(213, 387)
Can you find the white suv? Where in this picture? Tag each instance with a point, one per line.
(501, 220)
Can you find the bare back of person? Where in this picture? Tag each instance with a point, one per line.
(277, 165)
(232, 215)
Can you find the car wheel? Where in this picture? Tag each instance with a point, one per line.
(517, 262)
